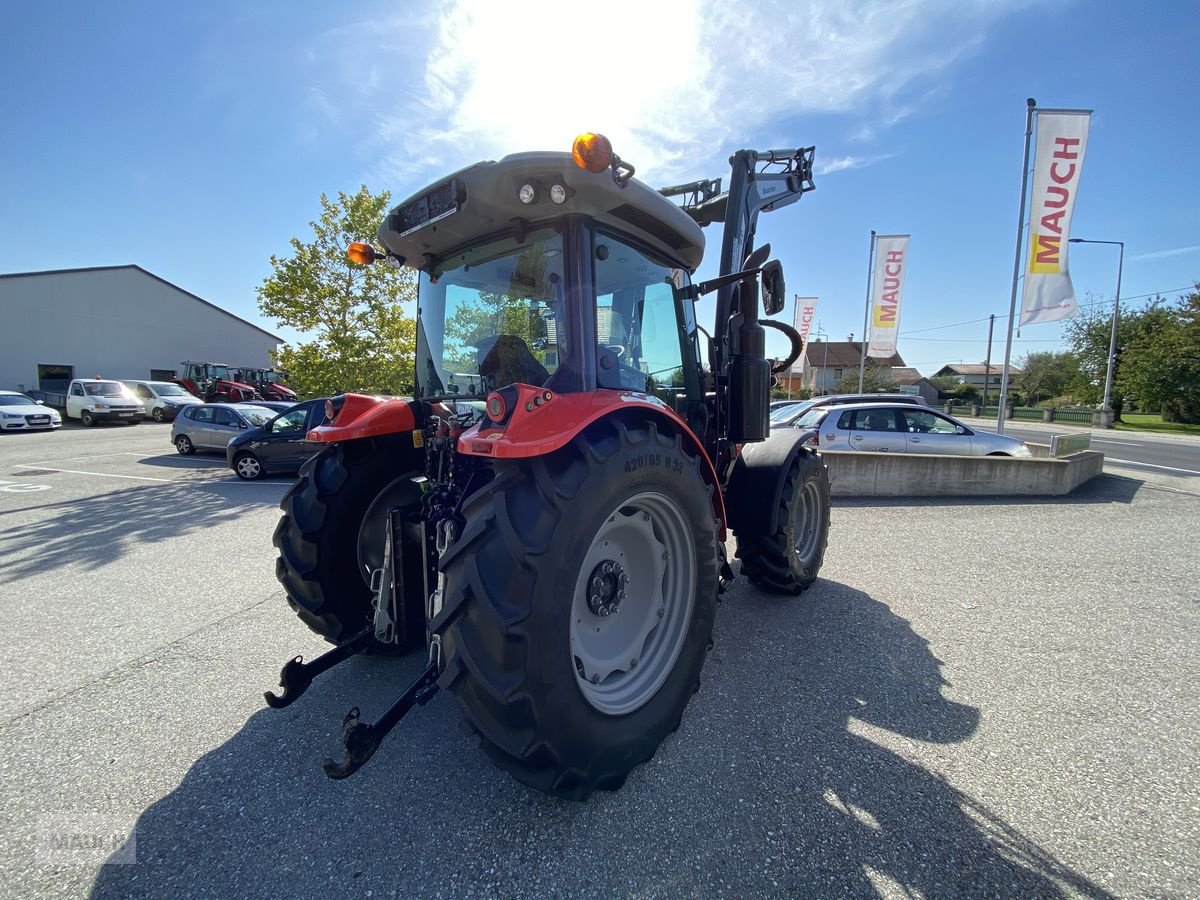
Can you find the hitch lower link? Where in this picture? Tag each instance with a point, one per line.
(362, 739)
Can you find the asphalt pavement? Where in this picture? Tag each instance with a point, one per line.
(977, 698)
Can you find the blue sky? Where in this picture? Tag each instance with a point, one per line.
(195, 139)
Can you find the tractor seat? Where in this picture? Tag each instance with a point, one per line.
(507, 359)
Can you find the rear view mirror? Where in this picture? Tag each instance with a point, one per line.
(773, 290)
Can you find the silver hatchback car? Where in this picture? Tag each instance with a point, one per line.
(209, 426)
(901, 428)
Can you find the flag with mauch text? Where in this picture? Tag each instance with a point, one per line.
(891, 264)
(1048, 295)
(806, 307)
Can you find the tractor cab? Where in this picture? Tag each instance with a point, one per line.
(535, 271)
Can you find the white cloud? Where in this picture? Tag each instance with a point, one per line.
(1164, 254)
(843, 163)
(676, 84)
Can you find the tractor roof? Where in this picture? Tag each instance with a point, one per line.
(482, 199)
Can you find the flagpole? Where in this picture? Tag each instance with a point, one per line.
(1012, 303)
(862, 355)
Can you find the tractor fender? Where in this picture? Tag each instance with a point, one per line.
(759, 475)
(360, 416)
(552, 423)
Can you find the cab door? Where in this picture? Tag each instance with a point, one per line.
(876, 431)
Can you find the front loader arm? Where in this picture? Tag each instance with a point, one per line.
(761, 181)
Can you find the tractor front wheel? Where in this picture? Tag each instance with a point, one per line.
(579, 604)
(787, 561)
(331, 535)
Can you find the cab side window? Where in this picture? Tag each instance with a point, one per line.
(144, 392)
(201, 413)
(76, 390)
(641, 329)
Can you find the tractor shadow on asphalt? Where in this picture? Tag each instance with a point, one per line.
(775, 784)
(98, 530)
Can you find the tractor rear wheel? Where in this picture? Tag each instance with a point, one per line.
(579, 604)
(331, 535)
(787, 561)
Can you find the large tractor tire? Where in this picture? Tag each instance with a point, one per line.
(579, 604)
(331, 535)
(787, 561)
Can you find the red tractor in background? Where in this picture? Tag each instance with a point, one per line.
(213, 383)
(268, 383)
(548, 514)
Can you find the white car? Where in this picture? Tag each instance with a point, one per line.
(902, 428)
(19, 412)
(162, 399)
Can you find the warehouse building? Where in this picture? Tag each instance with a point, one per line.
(117, 322)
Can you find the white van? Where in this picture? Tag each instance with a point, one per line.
(162, 400)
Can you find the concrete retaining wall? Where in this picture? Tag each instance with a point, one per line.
(918, 475)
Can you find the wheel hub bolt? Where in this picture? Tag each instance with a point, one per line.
(606, 588)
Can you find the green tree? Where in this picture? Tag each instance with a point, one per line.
(876, 380)
(1046, 374)
(956, 390)
(359, 337)
(1089, 334)
(1161, 369)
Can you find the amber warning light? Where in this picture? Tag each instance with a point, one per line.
(592, 152)
(360, 253)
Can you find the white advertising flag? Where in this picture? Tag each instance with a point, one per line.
(1061, 140)
(891, 264)
(805, 308)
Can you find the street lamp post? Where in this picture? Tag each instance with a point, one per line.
(1106, 407)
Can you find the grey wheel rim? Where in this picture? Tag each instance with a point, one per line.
(625, 646)
(806, 521)
(183, 445)
(158, 414)
(249, 467)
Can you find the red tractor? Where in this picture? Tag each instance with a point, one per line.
(213, 383)
(269, 383)
(548, 514)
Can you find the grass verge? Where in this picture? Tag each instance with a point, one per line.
(1139, 422)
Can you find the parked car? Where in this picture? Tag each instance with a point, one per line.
(94, 400)
(20, 412)
(276, 405)
(902, 428)
(162, 400)
(788, 416)
(209, 426)
(280, 446)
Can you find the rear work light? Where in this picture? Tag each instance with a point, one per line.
(496, 406)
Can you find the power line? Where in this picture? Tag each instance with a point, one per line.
(984, 340)
(1081, 305)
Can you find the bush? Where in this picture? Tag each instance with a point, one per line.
(1181, 410)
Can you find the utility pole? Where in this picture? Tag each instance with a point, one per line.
(987, 366)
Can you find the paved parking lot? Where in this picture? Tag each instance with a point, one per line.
(986, 699)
